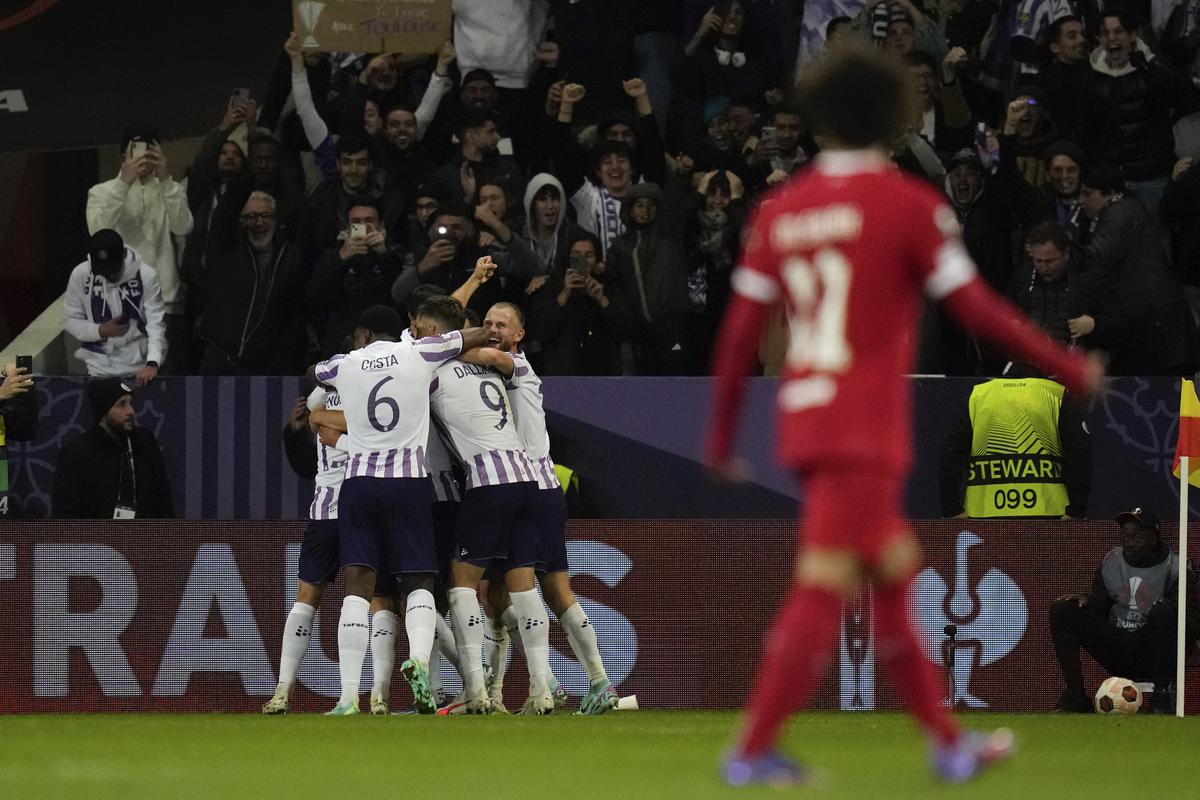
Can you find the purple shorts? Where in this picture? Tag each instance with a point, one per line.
(318, 563)
(386, 524)
(550, 516)
(497, 522)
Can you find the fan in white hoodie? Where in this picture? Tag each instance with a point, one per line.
(114, 307)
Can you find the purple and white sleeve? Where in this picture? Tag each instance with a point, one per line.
(327, 370)
(439, 349)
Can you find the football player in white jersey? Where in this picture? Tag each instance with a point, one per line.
(505, 325)
(470, 406)
(385, 523)
(318, 563)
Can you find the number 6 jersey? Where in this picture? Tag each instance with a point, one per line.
(384, 388)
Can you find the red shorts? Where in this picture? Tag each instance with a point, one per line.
(851, 510)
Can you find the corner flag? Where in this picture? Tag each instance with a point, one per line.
(1189, 433)
(1187, 454)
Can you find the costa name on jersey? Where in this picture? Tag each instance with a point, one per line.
(384, 389)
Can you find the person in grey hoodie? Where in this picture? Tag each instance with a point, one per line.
(547, 228)
(651, 268)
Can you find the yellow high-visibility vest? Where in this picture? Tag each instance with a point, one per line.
(566, 477)
(1016, 466)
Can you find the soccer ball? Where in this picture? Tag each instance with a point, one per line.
(1118, 696)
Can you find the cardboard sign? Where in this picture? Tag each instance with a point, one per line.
(372, 26)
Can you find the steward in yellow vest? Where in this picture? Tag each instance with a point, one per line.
(1021, 451)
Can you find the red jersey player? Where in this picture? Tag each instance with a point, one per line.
(851, 246)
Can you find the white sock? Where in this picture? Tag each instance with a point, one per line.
(435, 671)
(354, 631)
(582, 638)
(383, 651)
(535, 635)
(494, 635)
(514, 629)
(296, 633)
(468, 635)
(445, 641)
(420, 623)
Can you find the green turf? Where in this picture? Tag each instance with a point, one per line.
(620, 756)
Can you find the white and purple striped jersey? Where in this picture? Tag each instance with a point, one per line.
(525, 397)
(471, 407)
(437, 458)
(445, 488)
(384, 389)
(331, 470)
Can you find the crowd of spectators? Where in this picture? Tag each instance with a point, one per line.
(606, 153)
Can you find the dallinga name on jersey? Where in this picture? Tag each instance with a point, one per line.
(1014, 469)
(463, 369)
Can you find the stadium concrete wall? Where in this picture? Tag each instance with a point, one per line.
(187, 616)
(636, 444)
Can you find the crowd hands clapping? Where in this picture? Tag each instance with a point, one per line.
(608, 170)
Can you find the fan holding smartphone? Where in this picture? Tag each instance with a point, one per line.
(114, 307)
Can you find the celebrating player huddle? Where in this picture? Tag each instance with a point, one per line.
(396, 530)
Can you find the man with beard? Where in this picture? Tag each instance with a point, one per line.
(405, 162)
(253, 290)
(477, 160)
(453, 254)
(114, 469)
(270, 175)
(1065, 77)
(330, 202)
(774, 159)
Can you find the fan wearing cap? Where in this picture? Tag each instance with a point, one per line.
(1128, 620)
(114, 469)
(147, 207)
(114, 307)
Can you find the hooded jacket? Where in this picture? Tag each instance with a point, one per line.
(649, 262)
(552, 255)
(1129, 114)
(91, 299)
(146, 214)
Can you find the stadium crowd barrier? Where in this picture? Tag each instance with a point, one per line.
(636, 444)
(187, 616)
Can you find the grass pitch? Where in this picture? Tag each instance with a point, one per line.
(620, 756)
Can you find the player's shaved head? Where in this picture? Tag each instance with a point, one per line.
(511, 308)
(446, 312)
(857, 97)
(505, 324)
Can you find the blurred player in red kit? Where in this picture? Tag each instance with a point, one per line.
(851, 245)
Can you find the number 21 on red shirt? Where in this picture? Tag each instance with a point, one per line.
(819, 291)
